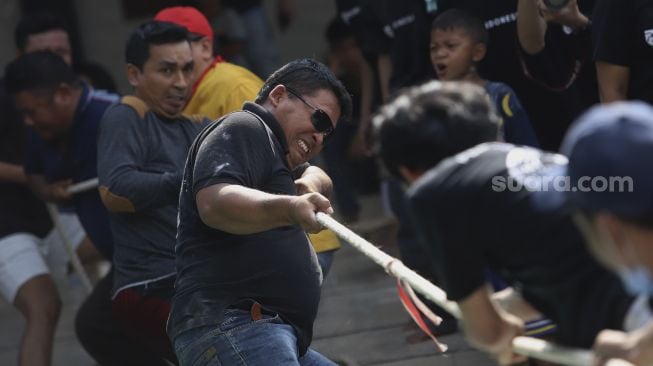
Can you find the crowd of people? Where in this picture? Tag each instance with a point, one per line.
(208, 182)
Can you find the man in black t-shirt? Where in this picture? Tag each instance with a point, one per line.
(474, 209)
(623, 49)
(248, 282)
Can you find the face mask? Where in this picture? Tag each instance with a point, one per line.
(637, 280)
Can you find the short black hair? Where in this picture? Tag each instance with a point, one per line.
(307, 76)
(36, 24)
(458, 18)
(152, 32)
(425, 124)
(41, 71)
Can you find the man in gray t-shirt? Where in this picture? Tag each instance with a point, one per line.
(142, 149)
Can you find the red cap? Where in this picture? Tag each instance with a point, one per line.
(188, 17)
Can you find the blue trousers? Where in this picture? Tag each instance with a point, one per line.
(241, 341)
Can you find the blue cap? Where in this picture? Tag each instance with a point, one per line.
(607, 144)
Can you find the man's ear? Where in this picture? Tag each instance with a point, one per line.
(409, 175)
(277, 94)
(206, 44)
(479, 52)
(133, 75)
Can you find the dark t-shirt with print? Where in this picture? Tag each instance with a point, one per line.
(470, 217)
(215, 269)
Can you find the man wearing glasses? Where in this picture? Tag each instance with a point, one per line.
(248, 281)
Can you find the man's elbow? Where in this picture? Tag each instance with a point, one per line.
(115, 203)
(532, 46)
(212, 217)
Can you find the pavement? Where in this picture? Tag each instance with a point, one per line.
(360, 322)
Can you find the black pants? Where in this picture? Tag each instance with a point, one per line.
(102, 337)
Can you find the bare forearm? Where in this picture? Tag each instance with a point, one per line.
(385, 72)
(486, 325)
(241, 210)
(613, 82)
(12, 173)
(531, 27)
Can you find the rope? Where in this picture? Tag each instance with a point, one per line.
(83, 186)
(528, 346)
(77, 264)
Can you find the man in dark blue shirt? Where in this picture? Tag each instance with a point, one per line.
(72, 157)
(63, 116)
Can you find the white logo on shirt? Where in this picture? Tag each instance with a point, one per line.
(648, 36)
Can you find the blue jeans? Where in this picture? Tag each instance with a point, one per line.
(241, 341)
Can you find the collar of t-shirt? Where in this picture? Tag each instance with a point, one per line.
(270, 121)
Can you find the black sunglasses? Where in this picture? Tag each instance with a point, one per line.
(319, 118)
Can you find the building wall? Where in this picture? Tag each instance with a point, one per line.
(9, 15)
(104, 32)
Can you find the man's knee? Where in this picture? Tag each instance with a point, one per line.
(39, 300)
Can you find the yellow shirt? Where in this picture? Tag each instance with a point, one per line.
(222, 89)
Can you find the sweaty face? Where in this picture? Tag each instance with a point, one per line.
(55, 41)
(43, 113)
(304, 141)
(452, 53)
(165, 81)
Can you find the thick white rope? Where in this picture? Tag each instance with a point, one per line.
(83, 186)
(527, 346)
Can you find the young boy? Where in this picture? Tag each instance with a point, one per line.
(458, 43)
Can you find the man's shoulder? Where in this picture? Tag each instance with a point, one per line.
(243, 120)
(128, 107)
(133, 103)
(463, 172)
